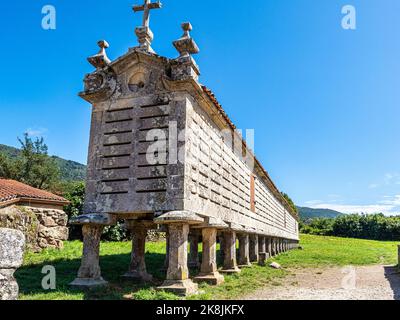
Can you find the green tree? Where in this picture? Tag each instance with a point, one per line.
(9, 168)
(290, 201)
(33, 166)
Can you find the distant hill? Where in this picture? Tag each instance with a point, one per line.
(309, 213)
(70, 170)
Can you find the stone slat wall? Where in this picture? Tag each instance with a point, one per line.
(219, 183)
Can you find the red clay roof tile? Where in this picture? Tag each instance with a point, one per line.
(13, 190)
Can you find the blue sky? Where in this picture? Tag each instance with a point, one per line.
(324, 101)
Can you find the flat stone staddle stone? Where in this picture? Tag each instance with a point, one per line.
(93, 219)
(179, 217)
(180, 287)
(12, 245)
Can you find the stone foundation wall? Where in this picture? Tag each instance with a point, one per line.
(42, 227)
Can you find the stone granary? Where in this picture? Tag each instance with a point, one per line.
(164, 153)
(36, 213)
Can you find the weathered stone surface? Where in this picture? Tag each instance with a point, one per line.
(42, 227)
(60, 233)
(398, 254)
(141, 103)
(12, 245)
(253, 248)
(262, 258)
(180, 287)
(193, 259)
(208, 272)
(179, 217)
(178, 273)
(137, 268)
(230, 263)
(89, 274)
(8, 285)
(244, 255)
(93, 219)
(262, 244)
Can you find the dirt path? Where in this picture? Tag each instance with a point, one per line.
(349, 283)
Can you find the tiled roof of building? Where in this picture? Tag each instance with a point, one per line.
(13, 190)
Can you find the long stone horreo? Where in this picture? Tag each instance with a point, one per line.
(163, 152)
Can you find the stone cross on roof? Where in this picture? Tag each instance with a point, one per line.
(144, 34)
(146, 7)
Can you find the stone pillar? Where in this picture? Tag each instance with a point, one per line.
(194, 250)
(12, 245)
(221, 246)
(230, 264)
(244, 256)
(208, 271)
(274, 247)
(89, 274)
(254, 248)
(137, 269)
(262, 258)
(269, 246)
(178, 273)
(166, 260)
(398, 254)
(178, 223)
(261, 244)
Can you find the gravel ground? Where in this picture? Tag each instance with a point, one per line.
(349, 283)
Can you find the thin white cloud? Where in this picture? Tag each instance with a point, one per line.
(36, 132)
(369, 209)
(313, 202)
(388, 179)
(390, 205)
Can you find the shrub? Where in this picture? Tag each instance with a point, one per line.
(373, 227)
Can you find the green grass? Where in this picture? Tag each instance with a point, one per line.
(115, 257)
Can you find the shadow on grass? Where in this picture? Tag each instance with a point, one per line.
(112, 266)
(392, 274)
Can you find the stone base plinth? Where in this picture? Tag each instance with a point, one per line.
(84, 283)
(262, 258)
(214, 279)
(180, 287)
(137, 276)
(249, 265)
(229, 271)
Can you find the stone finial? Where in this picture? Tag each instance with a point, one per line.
(184, 67)
(186, 46)
(144, 34)
(12, 246)
(100, 60)
(145, 37)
